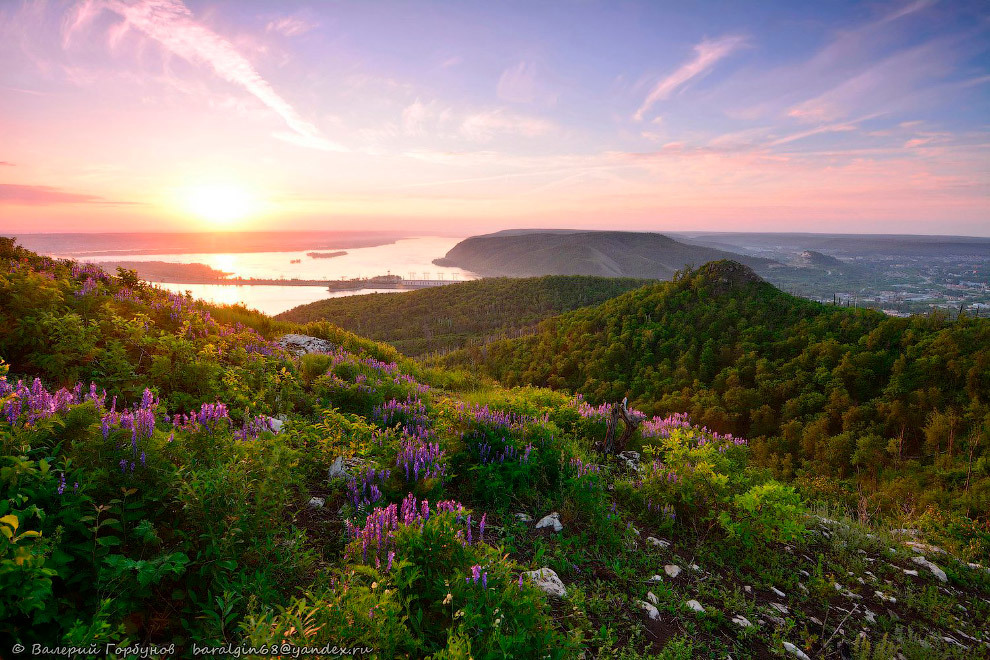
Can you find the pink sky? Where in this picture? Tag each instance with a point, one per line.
(465, 118)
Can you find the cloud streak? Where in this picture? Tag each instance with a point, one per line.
(171, 24)
(12, 193)
(707, 54)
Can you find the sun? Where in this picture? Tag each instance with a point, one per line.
(220, 205)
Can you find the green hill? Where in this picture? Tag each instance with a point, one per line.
(821, 391)
(183, 480)
(442, 319)
(605, 253)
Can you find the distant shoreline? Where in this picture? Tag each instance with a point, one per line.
(84, 246)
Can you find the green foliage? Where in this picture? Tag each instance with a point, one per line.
(766, 512)
(446, 318)
(849, 394)
(180, 510)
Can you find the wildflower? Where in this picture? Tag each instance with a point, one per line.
(520, 580)
(449, 599)
(61, 486)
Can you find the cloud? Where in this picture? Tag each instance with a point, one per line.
(418, 116)
(5, 163)
(171, 24)
(520, 84)
(881, 87)
(907, 9)
(483, 126)
(290, 26)
(44, 195)
(707, 54)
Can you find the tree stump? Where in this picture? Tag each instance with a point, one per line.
(619, 410)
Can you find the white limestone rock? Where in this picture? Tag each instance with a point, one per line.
(317, 502)
(936, 571)
(672, 570)
(552, 521)
(303, 344)
(546, 579)
(795, 651)
(660, 543)
(650, 610)
(695, 605)
(741, 621)
(338, 469)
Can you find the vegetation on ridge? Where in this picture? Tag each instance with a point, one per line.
(209, 487)
(899, 406)
(442, 319)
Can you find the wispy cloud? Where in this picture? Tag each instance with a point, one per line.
(43, 195)
(483, 126)
(6, 164)
(418, 117)
(290, 26)
(520, 84)
(171, 24)
(707, 54)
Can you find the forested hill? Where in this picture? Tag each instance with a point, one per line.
(454, 316)
(607, 253)
(178, 476)
(900, 404)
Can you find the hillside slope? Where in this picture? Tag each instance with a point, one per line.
(305, 492)
(819, 390)
(605, 253)
(446, 318)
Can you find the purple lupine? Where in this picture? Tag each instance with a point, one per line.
(61, 485)
(417, 457)
(481, 528)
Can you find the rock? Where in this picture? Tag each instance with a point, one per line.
(905, 532)
(795, 651)
(337, 469)
(741, 621)
(303, 344)
(695, 567)
(546, 579)
(660, 543)
(778, 592)
(776, 620)
(870, 616)
(909, 571)
(780, 608)
(656, 579)
(815, 620)
(650, 610)
(552, 521)
(748, 589)
(884, 597)
(695, 605)
(652, 597)
(922, 548)
(317, 502)
(632, 528)
(276, 424)
(672, 570)
(803, 588)
(631, 459)
(522, 517)
(936, 571)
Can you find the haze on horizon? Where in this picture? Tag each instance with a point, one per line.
(470, 117)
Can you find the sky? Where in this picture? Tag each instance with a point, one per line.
(466, 117)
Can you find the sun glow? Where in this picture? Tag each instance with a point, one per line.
(220, 204)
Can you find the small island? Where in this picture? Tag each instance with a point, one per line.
(325, 255)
